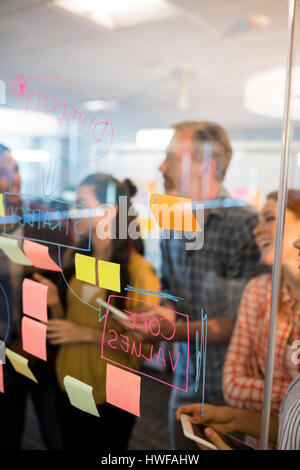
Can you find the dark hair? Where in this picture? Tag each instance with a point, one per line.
(107, 191)
(106, 184)
(292, 202)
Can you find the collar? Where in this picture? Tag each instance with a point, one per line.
(217, 206)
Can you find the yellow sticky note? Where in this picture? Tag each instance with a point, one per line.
(85, 268)
(80, 395)
(2, 210)
(174, 213)
(109, 275)
(20, 364)
(13, 251)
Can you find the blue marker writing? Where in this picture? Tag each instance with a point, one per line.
(156, 294)
(201, 354)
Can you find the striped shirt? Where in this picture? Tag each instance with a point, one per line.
(289, 418)
(244, 367)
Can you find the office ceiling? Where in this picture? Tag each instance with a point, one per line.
(137, 67)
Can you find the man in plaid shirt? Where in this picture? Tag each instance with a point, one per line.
(212, 278)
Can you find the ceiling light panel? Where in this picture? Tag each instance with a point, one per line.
(264, 93)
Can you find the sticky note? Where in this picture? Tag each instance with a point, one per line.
(1, 378)
(2, 209)
(39, 255)
(2, 352)
(34, 338)
(174, 213)
(34, 297)
(20, 364)
(109, 275)
(147, 225)
(80, 395)
(123, 389)
(85, 268)
(12, 250)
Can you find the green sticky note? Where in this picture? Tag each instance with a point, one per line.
(80, 395)
(2, 210)
(13, 251)
(109, 275)
(85, 268)
(20, 364)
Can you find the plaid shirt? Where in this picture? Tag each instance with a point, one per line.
(211, 279)
(245, 364)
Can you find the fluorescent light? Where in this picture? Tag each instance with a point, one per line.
(264, 93)
(259, 21)
(31, 155)
(114, 14)
(154, 138)
(20, 122)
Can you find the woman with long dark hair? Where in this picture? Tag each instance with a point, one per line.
(76, 327)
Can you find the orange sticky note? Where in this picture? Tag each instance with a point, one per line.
(1, 378)
(147, 225)
(123, 389)
(35, 299)
(34, 338)
(174, 213)
(39, 255)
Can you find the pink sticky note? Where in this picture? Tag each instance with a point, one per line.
(35, 299)
(1, 378)
(34, 338)
(123, 389)
(39, 256)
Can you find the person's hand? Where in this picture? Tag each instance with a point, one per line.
(215, 439)
(221, 418)
(64, 331)
(151, 324)
(53, 298)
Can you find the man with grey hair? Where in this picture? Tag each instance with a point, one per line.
(212, 278)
